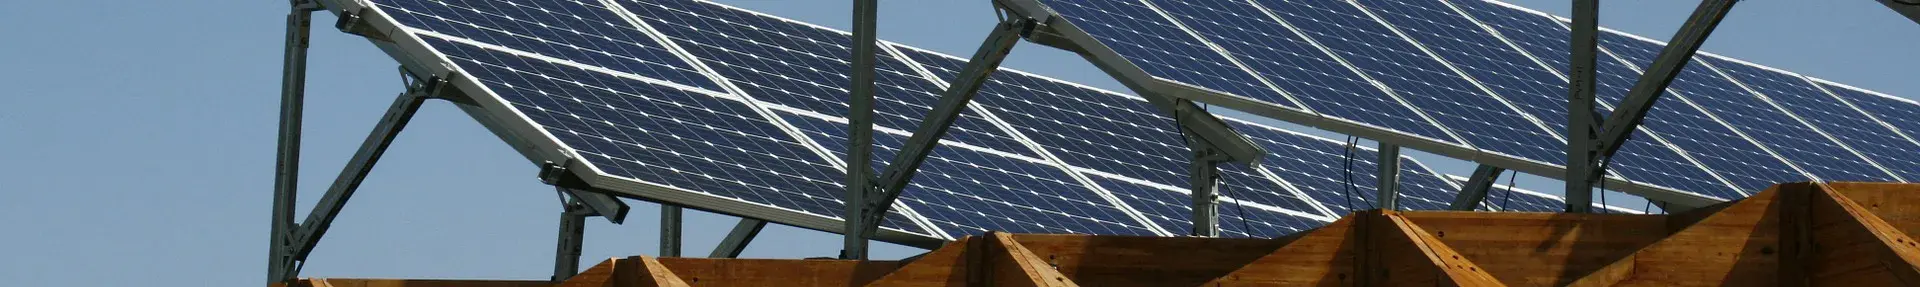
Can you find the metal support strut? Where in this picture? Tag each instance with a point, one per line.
(868, 202)
(860, 128)
(737, 239)
(1205, 177)
(670, 230)
(286, 174)
(1589, 145)
(1475, 191)
(573, 228)
(1389, 176)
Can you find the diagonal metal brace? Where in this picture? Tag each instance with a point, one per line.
(1475, 191)
(886, 189)
(1588, 155)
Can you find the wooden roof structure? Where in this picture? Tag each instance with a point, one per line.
(1796, 234)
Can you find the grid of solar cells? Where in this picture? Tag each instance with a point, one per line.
(1643, 159)
(1847, 125)
(1321, 168)
(963, 191)
(1419, 79)
(805, 67)
(1083, 127)
(581, 32)
(1510, 74)
(1161, 49)
(1795, 142)
(1326, 86)
(1747, 165)
(1424, 189)
(660, 135)
(1173, 211)
(1902, 114)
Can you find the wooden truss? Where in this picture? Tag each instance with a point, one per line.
(1794, 234)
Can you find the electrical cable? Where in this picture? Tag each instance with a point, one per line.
(1503, 201)
(1346, 192)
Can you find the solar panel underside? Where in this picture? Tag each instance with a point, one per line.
(1644, 159)
(1722, 99)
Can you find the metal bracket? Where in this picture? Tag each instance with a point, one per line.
(571, 239)
(1204, 186)
(1588, 148)
(351, 22)
(1475, 191)
(597, 203)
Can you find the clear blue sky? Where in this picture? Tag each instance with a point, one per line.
(137, 137)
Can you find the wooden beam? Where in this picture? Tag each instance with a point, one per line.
(1737, 246)
(1541, 249)
(600, 275)
(717, 272)
(946, 266)
(1321, 257)
(361, 282)
(1014, 265)
(1144, 261)
(1853, 247)
(1400, 253)
(1895, 203)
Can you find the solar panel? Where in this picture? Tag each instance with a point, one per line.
(724, 109)
(1163, 49)
(1901, 116)
(1501, 197)
(1648, 158)
(1779, 132)
(1852, 129)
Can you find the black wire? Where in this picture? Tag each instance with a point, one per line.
(1346, 191)
(1244, 226)
(1504, 200)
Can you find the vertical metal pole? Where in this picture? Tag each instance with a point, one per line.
(860, 126)
(1389, 176)
(1581, 120)
(1205, 179)
(286, 174)
(669, 230)
(573, 225)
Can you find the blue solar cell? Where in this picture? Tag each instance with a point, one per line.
(1321, 169)
(1423, 82)
(1643, 159)
(1793, 141)
(1851, 128)
(576, 31)
(1163, 50)
(1424, 189)
(1083, 127)
(964, 191)
(1902, 115)
(1173, 211)
(1747, 165)
(805, 67)
(661, 135)
(1325, 85)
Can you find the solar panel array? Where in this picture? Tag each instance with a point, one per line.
(1489, 76)
(718, 102)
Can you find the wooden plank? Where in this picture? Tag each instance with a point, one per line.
(600, 275)
(1321, 257)
(1405, 255)
(1540, 249)
(1734, 247)
(1014, 265)
(1144, 261)
(1855, 247)
(776, 272)
(946, 266)
(1895, 203)
(648, 273)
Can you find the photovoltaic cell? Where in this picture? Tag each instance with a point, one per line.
(1452, 101)
(1643, 159)
(1902, 114)
(968, 192)
(1083, 127)
(1297, 66)
(661, 135)
(1795, 142)
(1715, 145)
(1852, 128)
(1161, 49)
(576, 31)
(805, 67)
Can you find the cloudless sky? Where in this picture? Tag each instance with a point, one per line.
(137, 137)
